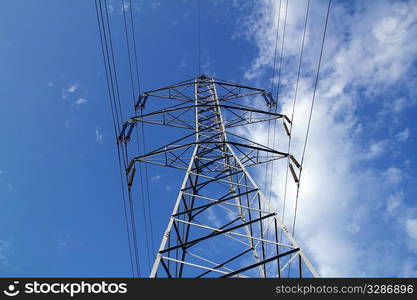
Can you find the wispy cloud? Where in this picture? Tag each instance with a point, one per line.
(4, 250)
(183, 62)
(69, 90)
(99, 136)
(125, 6)
(156, 4)
(110, 6)
(156, 177)
(3, 178)
(81, 101)
(404, 135)
(376, 149)
(75, 94)
(411, 227)
(63, 241)
(346, 198)
(206, 68)
(394, 175)
(212, 218)
(72, 88)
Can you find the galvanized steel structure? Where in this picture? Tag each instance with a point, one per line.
(221, 224)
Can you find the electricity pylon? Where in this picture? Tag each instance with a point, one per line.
(221, 225)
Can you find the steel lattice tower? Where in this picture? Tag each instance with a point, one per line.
(221, 225)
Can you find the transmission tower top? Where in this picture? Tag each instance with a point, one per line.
(222, 224)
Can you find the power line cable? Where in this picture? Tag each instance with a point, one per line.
(272, 91)
(294, 103)
(295, 99)
(113, 64)
(110, 86)
(137, 135)
(134, 47)
(311, 110)
(149, 210)
(119, 117)
(308, 125)
(276, 108)
(282, 51)
(276, 48)
(277, 97)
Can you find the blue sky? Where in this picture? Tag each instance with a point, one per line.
(61, 213)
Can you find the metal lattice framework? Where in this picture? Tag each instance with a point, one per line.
(221, 224)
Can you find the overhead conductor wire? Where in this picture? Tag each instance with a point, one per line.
(311, 109)
(112, 86)
(144, 211)
(149, 207)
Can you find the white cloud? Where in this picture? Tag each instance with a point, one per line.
(125, 6)
(72, 88)
(99, 136)
(4, 249)
(110, 6)
(64, 241)
(376, 149)
(50, 84)
(69, 90)
(183, 62)
(156, 177)
(340, 207)
(409, 268)
(206, 68)
(81, 101)
(393, 175)
(156, 4)
(411, 230)
(399, 104)
(75, 93)
(404, 135)
(394, 107)
(411, 227)
(394, 202)
(212, 218)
